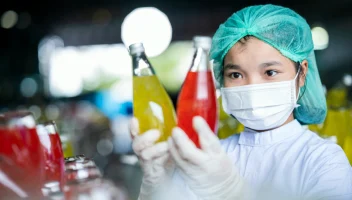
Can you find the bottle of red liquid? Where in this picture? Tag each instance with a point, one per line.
(197, 96)
(21, 157)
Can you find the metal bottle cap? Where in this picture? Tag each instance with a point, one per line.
(136, 48)
(203, 42)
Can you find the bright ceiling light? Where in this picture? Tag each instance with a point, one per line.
(149, 26)
(347, 80)
(320, 38)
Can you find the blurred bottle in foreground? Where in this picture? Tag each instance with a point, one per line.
(84, 181)
(22, 172)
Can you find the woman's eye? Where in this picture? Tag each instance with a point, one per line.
(271, 72)
(235, 75)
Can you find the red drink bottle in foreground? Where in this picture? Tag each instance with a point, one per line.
(197, 96)
(21, 157)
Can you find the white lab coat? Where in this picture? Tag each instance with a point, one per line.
(289, 162)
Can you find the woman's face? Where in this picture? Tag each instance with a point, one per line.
(254, 61)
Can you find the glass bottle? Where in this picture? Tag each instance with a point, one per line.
(152, 105)
(198, 93)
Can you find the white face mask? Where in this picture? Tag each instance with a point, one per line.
(261, 106)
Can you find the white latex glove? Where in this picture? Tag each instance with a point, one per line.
(155, 160)
(208, 171)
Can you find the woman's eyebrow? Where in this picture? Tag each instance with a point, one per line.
(271, 63)
(231, 66)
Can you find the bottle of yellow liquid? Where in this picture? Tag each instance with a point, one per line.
(67, 146)
(348, 146)
(152, 105)
(227, 124)
(337, 122)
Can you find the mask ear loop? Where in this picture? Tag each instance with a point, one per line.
(299, 88)
(298, 71)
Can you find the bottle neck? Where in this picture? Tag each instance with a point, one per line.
(141, 65)
(200, 60)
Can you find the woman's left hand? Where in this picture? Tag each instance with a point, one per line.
(208, 171)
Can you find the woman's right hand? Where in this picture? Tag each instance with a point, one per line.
(154, 158)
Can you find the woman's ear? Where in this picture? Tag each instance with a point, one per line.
(303, 73)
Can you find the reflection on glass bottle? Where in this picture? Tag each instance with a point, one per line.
(152, 105)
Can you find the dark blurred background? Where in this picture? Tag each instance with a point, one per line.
(78, 23)
(87, 95)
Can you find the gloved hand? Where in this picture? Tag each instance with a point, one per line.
(155, 160)
(208, 171)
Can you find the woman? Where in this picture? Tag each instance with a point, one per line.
(265, 62)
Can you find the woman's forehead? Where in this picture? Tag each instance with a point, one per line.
(253, 52)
